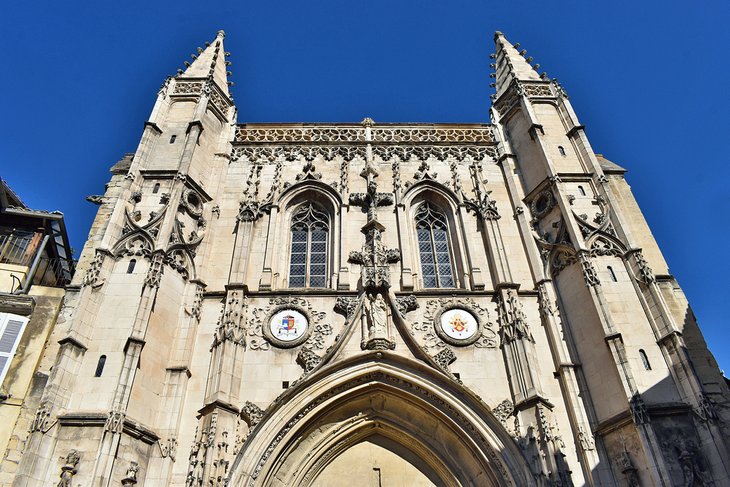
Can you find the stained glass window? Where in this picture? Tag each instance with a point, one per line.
(433, 247)
(309, 242)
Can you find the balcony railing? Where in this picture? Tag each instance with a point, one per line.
(53, 272)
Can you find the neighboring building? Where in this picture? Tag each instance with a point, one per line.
(374, 304)
(35, 265)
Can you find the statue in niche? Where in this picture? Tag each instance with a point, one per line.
(375, 318)
(69, 469)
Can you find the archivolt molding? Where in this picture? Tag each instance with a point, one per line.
(380, 378)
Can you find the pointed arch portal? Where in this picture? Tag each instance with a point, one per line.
(383, 416)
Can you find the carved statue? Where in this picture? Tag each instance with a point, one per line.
(130, 478)
(378, 316)
(69, 469)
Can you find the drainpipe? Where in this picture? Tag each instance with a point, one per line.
(33, 267)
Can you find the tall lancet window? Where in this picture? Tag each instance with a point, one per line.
(309, 235)
(433, 247)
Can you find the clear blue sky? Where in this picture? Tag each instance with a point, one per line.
(647, 78)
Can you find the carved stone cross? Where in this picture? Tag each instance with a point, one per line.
(371, 200)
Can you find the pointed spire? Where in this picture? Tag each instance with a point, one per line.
(210, 61)
(511, 64)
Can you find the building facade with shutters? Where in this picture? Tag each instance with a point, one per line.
(373, 304)
(35, 265)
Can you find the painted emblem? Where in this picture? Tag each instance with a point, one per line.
(459, 324)
(288, 325)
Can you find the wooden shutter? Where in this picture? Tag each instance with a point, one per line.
(11, 329)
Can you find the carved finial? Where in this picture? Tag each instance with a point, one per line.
(367, 122)
(497, 34)
(221, 33)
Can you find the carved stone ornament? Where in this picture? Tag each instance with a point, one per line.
(638, 409)
(345, 305)
(91, 278)
(251, 414)
(589, 272)
(42, 418)
(503, 411)
(484, 207)
(406, 304)
(260, 318)
(513, 321)
(115, 422)
(425, 331)
(542, 204)
(307, 359)
(444, 359)
(68, 470)
(457, 324)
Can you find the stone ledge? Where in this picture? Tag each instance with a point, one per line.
(17, 304)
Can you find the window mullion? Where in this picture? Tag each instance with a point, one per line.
(435, 257)
(308, 256)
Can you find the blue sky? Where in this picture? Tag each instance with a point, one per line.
(646, 78)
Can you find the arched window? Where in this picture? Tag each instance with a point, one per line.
(309, 242)
(130, 266)
(561, 150)
(644, 359)
(156, 188)
(613, 274)
(100, 366)
(582, 191)
(433, 247)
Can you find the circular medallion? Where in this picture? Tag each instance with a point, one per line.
(287, 327)
(457, 325)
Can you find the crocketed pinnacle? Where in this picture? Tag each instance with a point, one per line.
(210, 61)
(510, 64)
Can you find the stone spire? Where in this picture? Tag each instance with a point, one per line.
(511, 63)
(210, 63)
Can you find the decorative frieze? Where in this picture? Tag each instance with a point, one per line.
(482, 135)
(270, 153)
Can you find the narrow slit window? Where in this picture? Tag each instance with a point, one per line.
(613, 274)
(581, 191)
(172, 139)
(561, 149)
(644, 359)
(156, 189)
(130, 266)
(100, 366)
(309, 243)
(433, 247)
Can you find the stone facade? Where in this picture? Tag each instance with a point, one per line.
(390, 304)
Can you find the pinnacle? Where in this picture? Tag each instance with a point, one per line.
(511, 63)
(210, 62)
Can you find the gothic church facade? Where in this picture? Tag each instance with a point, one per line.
(372, 304)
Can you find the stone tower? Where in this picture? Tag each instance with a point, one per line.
(373, 304)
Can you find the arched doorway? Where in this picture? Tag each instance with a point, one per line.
(411, 420)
